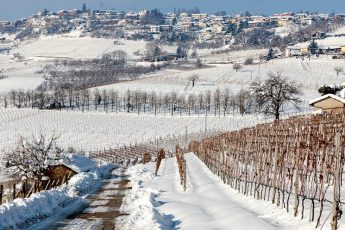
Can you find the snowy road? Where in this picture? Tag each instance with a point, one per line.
(206, 204)
(102, 208)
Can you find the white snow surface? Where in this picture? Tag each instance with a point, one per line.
(158, 202)
(65, 46)
(91, 131)
(78, 163)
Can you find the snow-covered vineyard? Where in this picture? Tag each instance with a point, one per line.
(97, 131)
(145, 134)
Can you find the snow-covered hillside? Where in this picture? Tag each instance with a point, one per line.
(36, 53)
(92, 131)
(312, 74)
(75, 47)
(21, 74)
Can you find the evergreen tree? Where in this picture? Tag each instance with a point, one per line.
(313, 47)
(182, 51)
(84, 8)
(270, 54)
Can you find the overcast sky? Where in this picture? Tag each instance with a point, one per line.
(13, 9)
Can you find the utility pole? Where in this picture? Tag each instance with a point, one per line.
(186, 136)
(206, 123)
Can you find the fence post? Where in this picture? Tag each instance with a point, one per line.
(31, 190)
(336, 189)
(14, 191)
(47, 185)
(185, 174)
(25, 187)
(1, 193)
(296, 184)
(275, 168)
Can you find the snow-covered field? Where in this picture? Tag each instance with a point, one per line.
(284, 31)
(93, 131)
(60, 46)
(21, 75)
(209, 55)
(312, 74)
(39, 52)
(158, 202)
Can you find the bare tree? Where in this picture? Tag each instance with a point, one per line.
(105, 99)
(338, 70)
(216, 99)
(194, 78)
(153, 51)
(208, 101)
(31, 157)
(274, 92)
(237, 67)
(241, 100)
(201, 101)
(97, 98)
(190, 103)
(119, 57)
(249, 61)
(226, 100)
(173, 102)
(198, 63)
(153, 101)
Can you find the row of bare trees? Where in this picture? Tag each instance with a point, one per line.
(81, 74)
(217, 103)
(297, 161)
(267, 96)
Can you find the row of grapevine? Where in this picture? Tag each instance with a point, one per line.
(133, 154)
(181, 163)
(298, 161)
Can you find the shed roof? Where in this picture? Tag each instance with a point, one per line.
(78, 163)
(324, 97)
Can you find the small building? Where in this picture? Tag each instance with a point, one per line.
(342, 49)
(59, 172)
(328, 103)
(165, 28)
(68, 167)
(4, 23)
(183, 15)
(297, 50)
(199, 16)
(154, 29)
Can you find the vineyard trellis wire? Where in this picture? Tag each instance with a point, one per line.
(300, 158)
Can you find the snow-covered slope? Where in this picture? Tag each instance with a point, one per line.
(21, 75)
(95, 131)
(312, 74)
(60, 46)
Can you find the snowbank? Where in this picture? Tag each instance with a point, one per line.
(23, 213)
(138, 202)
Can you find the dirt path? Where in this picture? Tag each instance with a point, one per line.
(103, 207)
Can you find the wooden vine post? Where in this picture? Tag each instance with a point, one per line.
(336, 212)
(275, 169)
